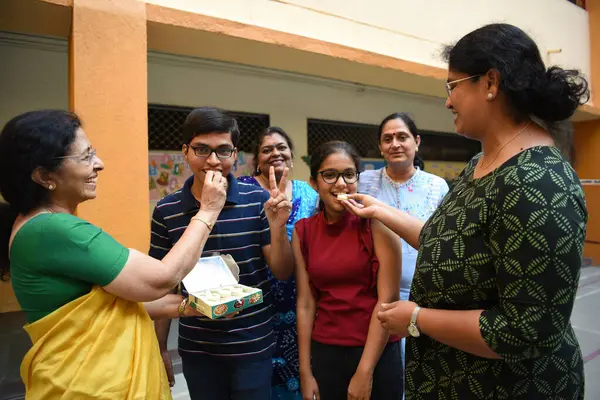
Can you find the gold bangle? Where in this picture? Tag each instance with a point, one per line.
(205, 222)
(182, 307)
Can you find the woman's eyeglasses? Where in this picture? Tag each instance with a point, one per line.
(451, 85)
(86, 158)
(332, 176)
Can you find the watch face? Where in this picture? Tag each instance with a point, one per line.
(413, 331)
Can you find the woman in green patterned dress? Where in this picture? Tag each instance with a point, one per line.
(499, 261)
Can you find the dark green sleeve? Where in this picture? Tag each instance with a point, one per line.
(537, 231)
(80, 250)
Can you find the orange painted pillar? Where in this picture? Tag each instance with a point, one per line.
(587, 148)
(587, 141)
(108, 90)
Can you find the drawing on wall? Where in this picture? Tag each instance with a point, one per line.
(243, 165)
(168, 171)
(449, 170)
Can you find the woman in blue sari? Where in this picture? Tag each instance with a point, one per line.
(274, 148)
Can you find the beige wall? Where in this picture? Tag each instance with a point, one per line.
(407, 29)
(33, 75)
(289, 99)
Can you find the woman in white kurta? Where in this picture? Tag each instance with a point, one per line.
(402, 185)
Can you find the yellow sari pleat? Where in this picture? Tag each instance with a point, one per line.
(97, 346)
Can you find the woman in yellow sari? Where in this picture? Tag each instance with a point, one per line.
(80, 289)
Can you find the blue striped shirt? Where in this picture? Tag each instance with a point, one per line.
(241, 230)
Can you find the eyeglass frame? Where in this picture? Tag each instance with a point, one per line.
(81, 157)
(337, 178)
(231, 150)
(449, 88)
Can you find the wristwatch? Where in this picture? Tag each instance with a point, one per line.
(413, 330)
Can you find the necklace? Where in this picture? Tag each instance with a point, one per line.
(504, 145)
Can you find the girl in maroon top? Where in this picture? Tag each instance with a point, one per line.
(346, 267)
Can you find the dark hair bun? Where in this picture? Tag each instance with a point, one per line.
(559, 94)
(550, 94)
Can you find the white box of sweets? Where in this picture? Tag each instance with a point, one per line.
(213, 287)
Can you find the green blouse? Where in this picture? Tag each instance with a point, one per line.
(56, 258)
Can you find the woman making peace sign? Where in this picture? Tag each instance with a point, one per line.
(274, 150)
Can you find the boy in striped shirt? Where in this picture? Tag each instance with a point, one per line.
(226, 358)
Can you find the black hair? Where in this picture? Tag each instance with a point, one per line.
(272, 130)
(205, 120)
(29, 141)
(325, 150)
(412, 128)
(329, 148)
(7, 219)
(419, 162)
(551, 94)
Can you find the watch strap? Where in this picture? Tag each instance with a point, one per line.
(413, 317)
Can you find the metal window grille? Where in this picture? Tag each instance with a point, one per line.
(165, 127)
(438, 146)
(362, 136)
(444, 146)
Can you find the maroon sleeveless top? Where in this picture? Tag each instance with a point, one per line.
(342, 270)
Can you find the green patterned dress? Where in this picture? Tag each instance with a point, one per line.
(510, 243)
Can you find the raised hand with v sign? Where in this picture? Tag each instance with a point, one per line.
(278, 207)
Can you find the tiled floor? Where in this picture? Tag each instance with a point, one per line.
(585, 319)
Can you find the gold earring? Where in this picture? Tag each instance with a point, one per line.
(50, 187)
(417, 149)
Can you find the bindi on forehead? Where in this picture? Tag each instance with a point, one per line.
(395, 133)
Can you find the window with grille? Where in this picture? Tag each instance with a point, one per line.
(362, 136)
(165, 127)
(442, 146)
(437, 146)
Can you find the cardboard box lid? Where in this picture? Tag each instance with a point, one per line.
(212, 272)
